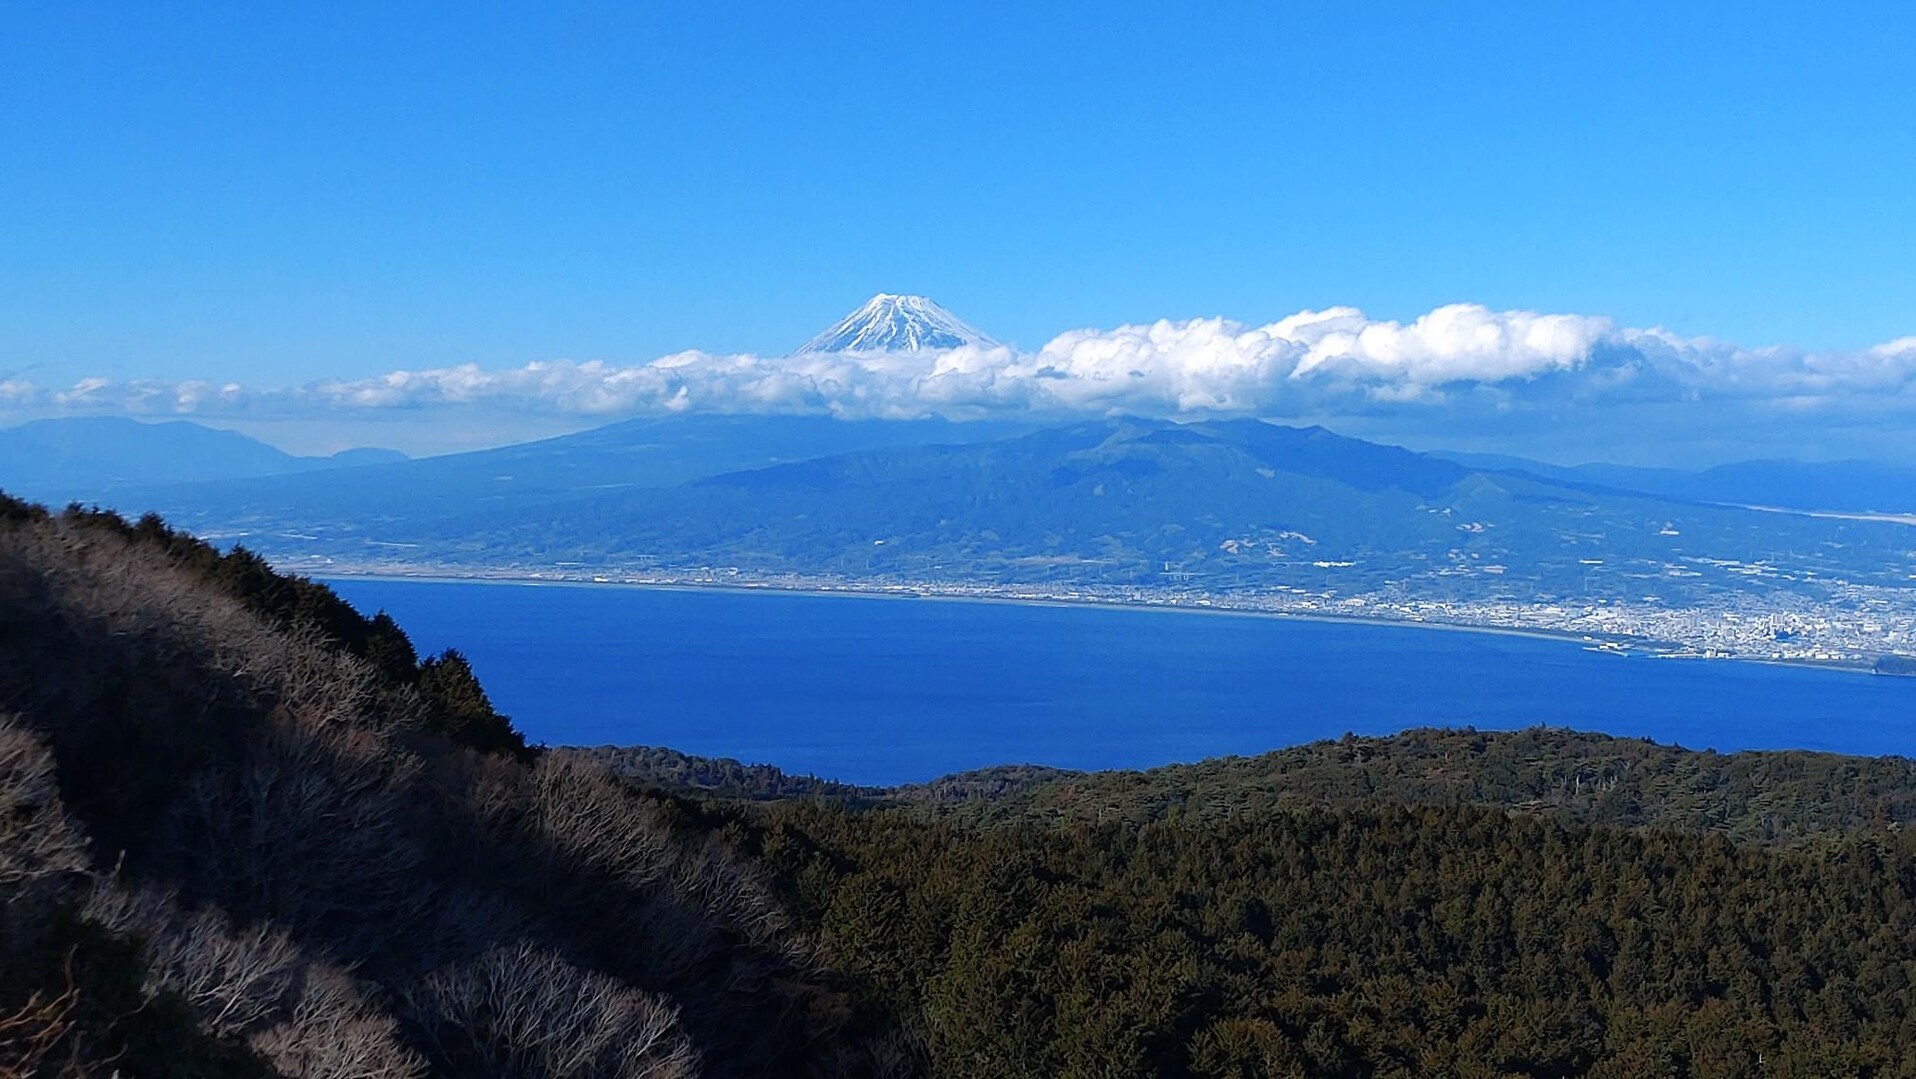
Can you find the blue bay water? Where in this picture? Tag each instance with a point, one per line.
(879, 690)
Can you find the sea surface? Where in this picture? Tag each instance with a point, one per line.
(883, 690)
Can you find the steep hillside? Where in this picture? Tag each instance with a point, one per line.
(234, 799)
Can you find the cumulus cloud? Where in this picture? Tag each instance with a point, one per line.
(1458, 364)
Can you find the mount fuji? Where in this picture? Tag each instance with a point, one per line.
(888, 323)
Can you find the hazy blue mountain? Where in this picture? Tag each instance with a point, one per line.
(1239, 505)
(1863, 486)
(639, 453)
(361, 456)
(1224, 506)
(1843, 486)
(1228, 504)
(899, 324)
(91, 457)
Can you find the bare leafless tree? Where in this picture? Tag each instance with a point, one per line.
(336, 1032)
(310, 828)
(305, 1017)
(237, 980)
(319, 837)
(32, 1035)
(524, 1012)
(37, 841)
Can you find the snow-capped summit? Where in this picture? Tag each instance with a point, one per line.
(896, 324)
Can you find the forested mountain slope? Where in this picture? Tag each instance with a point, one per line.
(245, 831)
(1571, 776)
(1393, 941)
(1566, 775)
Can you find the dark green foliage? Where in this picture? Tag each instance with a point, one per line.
(1562, 774)
(658, 768)
(1771, 797)
(390, 652)
(1395, 941)
(460, 708)
(982, 785)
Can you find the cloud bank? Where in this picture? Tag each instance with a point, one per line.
(1461, 367)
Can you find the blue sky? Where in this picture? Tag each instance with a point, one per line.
(282, 194)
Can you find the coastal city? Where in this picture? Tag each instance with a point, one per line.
(1863, 627)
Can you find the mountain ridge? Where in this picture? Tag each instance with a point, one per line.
(1761, 796)
(91, 457)
(1850, 486)
(1222, 506)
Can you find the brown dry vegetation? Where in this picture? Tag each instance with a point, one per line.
(234, 840)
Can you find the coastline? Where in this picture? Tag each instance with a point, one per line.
(1616, 645)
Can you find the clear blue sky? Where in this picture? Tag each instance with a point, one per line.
(287, 192)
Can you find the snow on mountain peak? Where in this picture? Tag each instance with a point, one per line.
(891, 323)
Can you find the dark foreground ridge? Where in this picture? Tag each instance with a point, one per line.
(245, 830)
(1565, 775)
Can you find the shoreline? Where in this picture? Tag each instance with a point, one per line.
(1625, 647)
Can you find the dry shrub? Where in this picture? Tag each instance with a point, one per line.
(523, 1012)
(235, 980)
(38, 844)
(270, 780)
(141, 674)
(83, 609)
(31, 1037)
(310, 828)
(95, 599)
(671, 913)
(594, 825)
(303, 1016)
(335, 1032)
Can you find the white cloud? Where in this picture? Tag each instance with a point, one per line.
(1213, 365)
(1461, 364)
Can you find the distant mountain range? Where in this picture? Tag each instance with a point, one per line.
(1224, 506)
(526, 477)
(1227, 505)
(1234, 507)
(94, 457)
(1849, 486)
